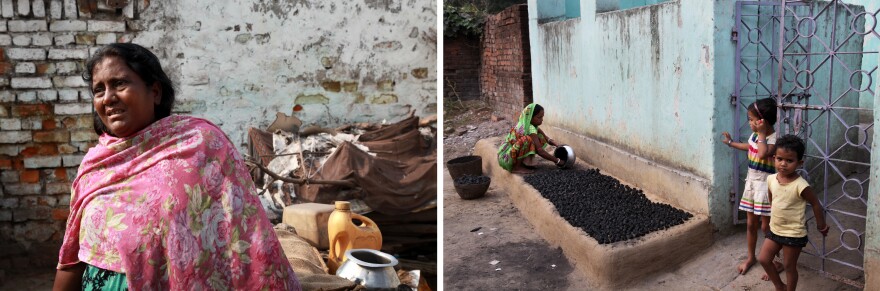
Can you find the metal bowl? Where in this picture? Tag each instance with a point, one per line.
(566, 154)
(370, 268)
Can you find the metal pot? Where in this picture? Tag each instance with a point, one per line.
(566, 154)
(370, 268)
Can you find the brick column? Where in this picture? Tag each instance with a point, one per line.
(505, 74)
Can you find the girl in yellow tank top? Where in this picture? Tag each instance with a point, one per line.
(789, 194)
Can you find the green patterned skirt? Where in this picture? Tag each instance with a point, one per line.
(95, 278)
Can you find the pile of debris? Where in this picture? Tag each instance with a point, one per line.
(387, 171)
(390, 169)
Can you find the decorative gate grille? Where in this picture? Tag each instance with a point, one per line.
(812, 57)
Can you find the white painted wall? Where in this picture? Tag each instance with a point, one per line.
(238, 62)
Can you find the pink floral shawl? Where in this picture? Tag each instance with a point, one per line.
(173, 207)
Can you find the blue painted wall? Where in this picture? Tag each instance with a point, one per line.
(642, 79)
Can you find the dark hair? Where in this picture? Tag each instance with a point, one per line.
(538, 108)
(765, 109)
(793, 143)
(145, 64)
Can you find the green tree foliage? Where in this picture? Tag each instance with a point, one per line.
(466, 17)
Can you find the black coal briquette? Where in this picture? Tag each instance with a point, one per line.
(603, 207)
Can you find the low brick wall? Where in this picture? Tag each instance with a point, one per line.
(505, 72)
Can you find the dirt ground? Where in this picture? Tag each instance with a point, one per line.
(488, 245)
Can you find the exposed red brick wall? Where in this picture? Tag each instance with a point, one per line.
(461, 68)
(45, 120)
(506, 71)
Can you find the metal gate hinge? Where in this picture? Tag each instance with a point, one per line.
(732, 99)
(734, 35)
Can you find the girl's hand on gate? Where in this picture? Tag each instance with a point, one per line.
(823, 230)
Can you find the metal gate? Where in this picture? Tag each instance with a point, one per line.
(812, 57)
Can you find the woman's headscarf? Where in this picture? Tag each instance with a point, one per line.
(524, 123)
(173, 207)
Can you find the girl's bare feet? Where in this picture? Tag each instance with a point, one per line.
(779, 268)
(746, 265)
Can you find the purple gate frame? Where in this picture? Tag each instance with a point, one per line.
(778, 52)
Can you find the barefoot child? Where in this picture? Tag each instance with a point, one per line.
(525, 141)
(755, 202)
(789, 194)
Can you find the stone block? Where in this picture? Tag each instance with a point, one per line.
(52, 136)
(27, 110)
(31, 82)
(38, 7)
(26, 54)
(63, 39)
(71, 160)
(9, 202)
(67, 149)
(58, 188)
(384, 99)
(68, 25)
(27, 96)
(70, 9)
(5, 215)
(32, 123)
(42, 162)
(420, 73)
(8, 177)
(50, 201)
(21, 40)
(83, 135)
(85, 39)
(9, 150)
(5, 40)
(71, 81)
(64, 54)
(26, 25)
(24, 189)
(15, 136)
(30, 176)
(6, 96)
(109, 26)
(24, 7)
(64, 200)
(310, 221)
(66, 67)
(7, 8)
(45, 68)
(60, 214)
(105, 38)
(25, 68)
(41, 39)
(10, 124)
(36, 232)
(47, 95)
(68, 95)
(303, 99)
(55, 9)
(73, 108)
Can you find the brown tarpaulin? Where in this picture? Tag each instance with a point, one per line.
(401, 178)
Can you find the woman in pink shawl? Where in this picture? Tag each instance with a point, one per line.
(162, 202)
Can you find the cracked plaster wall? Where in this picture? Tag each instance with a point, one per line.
(238, 62)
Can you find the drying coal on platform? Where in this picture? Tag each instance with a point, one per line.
(603, 207)
(355, 186)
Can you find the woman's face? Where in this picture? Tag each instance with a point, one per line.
(538, 118)
(123, 102)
